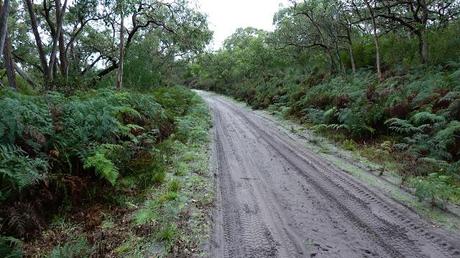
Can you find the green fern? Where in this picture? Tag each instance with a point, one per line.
(26, 118)
(73, 249)
(17, 170)
(10, 247)
(436, 188)
(421, 118)
(100, 161)
(448, 136)
(402, 126)
(330, 115)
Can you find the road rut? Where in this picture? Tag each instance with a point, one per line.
(276, 198)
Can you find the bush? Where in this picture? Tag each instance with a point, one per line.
(18, 171)
(436, 188)
(59, 145)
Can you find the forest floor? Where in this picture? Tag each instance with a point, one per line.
(282, 195)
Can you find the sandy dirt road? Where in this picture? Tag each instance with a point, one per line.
(275, 198)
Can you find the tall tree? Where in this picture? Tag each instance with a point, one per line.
(375, 35)
(119, 81)
(9, 63)
(38, 40)
(416, 16)
(4, 10)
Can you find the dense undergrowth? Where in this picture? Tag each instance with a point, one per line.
(81, 163)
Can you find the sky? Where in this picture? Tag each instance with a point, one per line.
(225, 16)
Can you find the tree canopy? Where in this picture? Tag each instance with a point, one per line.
(74, 44)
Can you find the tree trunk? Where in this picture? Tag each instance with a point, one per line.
(119, 82)
(423, 46)
(376, 40)
(3, 23)
(60, 11)
(352, 59)
(332, 61)
(9, 64)
(377, 56)
(341, 66)
(350, 51)
(423, 40)
(38, 40)
(62, 56)
(25, 76)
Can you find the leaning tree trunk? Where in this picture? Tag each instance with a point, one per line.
(119, 82)
(25, 76)
(38, 40)
(9, 63)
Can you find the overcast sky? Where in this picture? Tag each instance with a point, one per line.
(225, 16)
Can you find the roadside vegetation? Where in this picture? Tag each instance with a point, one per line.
(114, 172)
(379, 77)
(101, 153)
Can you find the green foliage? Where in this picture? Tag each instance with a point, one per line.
(174, 185)
(60, 143)
(26, 119)
(168, 232)
(73, 249)
(447, 138)
(10, 247)
(349, 144)
(18, 170)
(402, 126)
(436, 188)
(422, 118)
(103, 165)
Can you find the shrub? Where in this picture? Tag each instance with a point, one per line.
(422, 118)
(59, 145)
(447, 140)
(18, 170)
(436, 188)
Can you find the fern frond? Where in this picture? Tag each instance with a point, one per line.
(422, 118)
(103, 166)
(402, 126)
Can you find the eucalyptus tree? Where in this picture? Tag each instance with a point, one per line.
(369, 21)
(417, 16)
(69, 43)
(5, 44)
(318, 25)
(4, 10)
